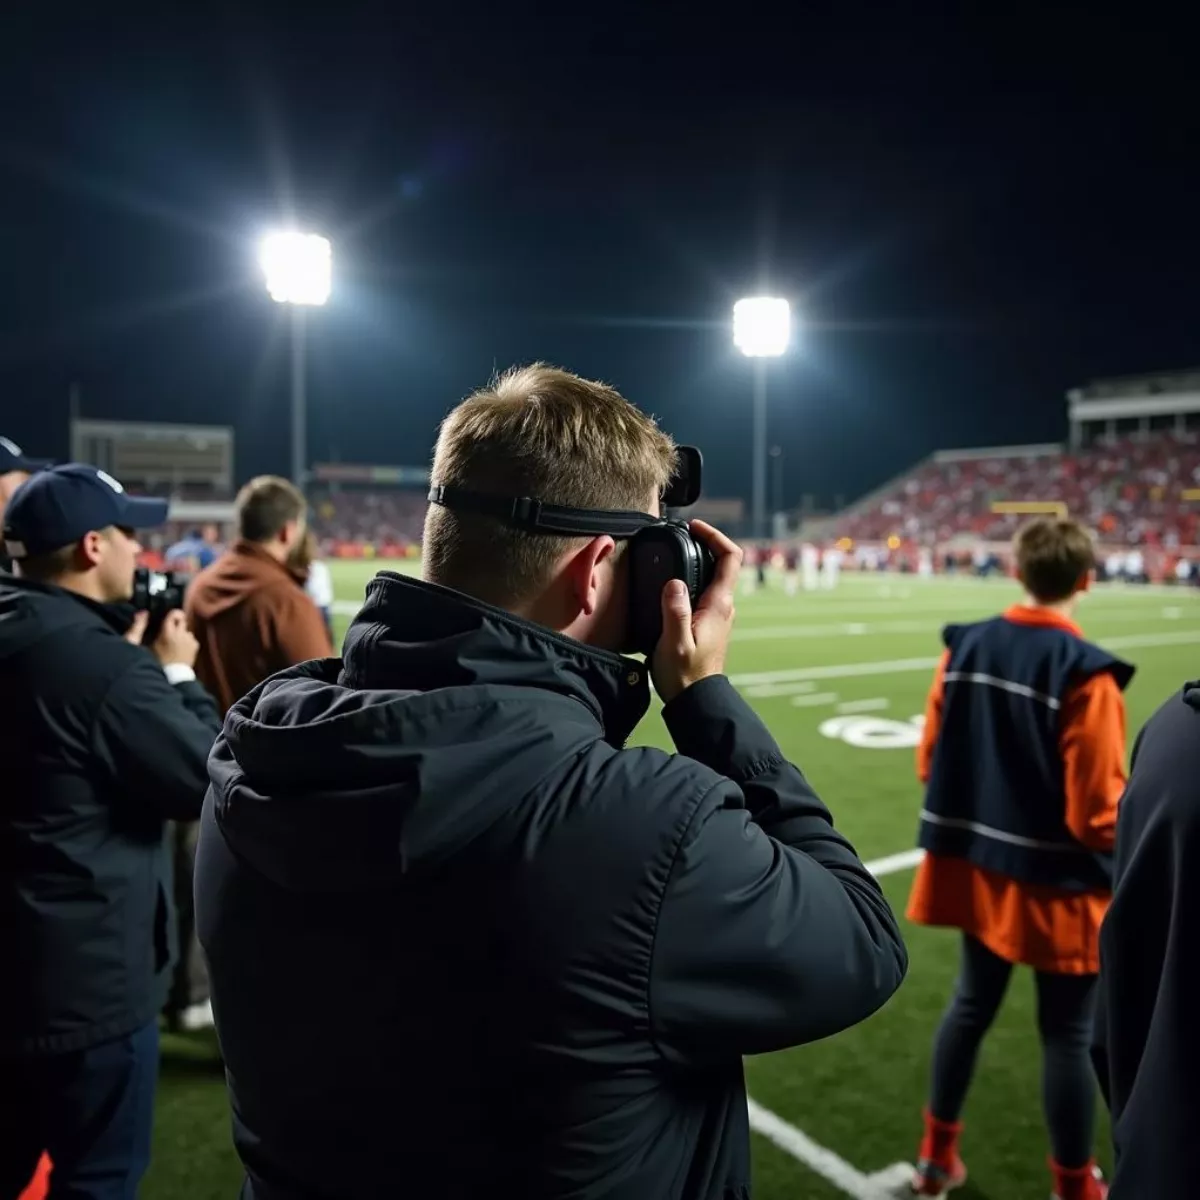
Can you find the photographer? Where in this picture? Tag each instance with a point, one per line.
(102, 741)
(533, 959)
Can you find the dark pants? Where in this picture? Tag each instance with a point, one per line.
(1065, 1005)
(189, 981)
(92, 1110)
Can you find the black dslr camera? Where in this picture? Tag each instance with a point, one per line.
(660, 548)
(157, 593)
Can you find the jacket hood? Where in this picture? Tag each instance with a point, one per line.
(234, 577)
(442, 713)
(30, 611)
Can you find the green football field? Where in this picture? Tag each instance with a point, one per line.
(839, 677)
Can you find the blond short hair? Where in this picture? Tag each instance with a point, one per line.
(1053, 558)
(542, 432)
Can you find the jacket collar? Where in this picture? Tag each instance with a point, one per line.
(415, 635)
(1047, 618)
(118, 616)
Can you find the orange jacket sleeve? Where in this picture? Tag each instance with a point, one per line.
(1092, 743)
(933, 721)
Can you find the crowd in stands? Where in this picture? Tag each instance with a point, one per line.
(377, 518)
(384, 523)
(1128, 491)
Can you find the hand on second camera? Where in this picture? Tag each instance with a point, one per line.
(176, 643)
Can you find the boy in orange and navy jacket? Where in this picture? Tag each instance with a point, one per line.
(1023, 757)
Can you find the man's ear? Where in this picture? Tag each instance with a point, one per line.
(584, 571)
(89, 550)
(1085, 581)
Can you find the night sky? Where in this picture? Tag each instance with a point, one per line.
(975, 209)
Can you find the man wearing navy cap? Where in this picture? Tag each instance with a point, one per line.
(15, 467)
(105, 742)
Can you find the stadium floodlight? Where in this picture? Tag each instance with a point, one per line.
(762, 327)
(299, 270)
(298, 267)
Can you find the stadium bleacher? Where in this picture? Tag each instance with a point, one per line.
(1131, 491)
(373, 517)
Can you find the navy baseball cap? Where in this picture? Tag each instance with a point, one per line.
(58, 506)
(13, 458)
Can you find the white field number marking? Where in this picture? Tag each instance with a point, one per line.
(874, 733)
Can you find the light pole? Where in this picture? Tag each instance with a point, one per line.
(298, 270)
(761, 330)
(777, 463)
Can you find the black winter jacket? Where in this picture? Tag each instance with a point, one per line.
(98, 750)
(1148, 1032)
(462, 944)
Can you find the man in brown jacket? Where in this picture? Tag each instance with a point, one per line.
(249, 609)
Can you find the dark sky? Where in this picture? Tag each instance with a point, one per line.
(975, 207)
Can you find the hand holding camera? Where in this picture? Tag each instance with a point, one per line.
(694, 642)
(175, 642)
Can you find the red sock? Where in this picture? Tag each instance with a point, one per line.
(940, 1143)
(1075, 1183)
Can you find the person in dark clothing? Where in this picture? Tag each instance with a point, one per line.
(102, 741)
(1147, 1038)
(462, 942)
(1023, 756)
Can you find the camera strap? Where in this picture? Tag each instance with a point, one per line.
(537, 516)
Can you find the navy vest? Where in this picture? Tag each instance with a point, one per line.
(995, 794)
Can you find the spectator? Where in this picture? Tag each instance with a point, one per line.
(374, 517)
(199, 549)
(15, 468)
(249, 609)
(318, 582)
(1130, 490)
(102, 741)
(1147, 1039)
(542, 957)
(1019, 843)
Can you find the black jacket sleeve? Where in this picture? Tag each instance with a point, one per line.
(771, 932)
(1147, 1036)
(153, 738)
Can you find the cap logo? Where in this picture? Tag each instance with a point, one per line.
(107, 478)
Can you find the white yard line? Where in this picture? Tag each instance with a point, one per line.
(874, 704)
(918, 616)
(847, 1179)
(764, 691)
(894, 862)
(814, 701)
(837, 671)
(879, 1185)
(898, 665)
(781, 633)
